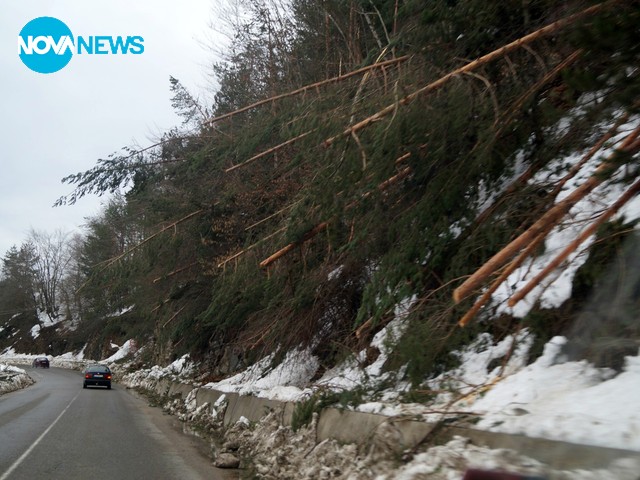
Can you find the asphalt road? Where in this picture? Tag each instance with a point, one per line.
(57, 430)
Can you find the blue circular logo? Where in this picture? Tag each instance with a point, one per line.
(45, 45)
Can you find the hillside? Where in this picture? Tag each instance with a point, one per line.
(366, 167)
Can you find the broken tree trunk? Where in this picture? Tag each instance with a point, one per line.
(266, 219)
(551, 217)
(107, 263)
(586, 233)
(267, 152)
(498, 53)
(175, 272)
(534, 88)
(309, 87)
(322, 226)
(249, 248)
(173, 316)
(592, 151)
(486, 296)
(148, 239)
(283, 251)
(534, 168)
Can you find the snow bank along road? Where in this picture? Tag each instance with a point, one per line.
(56, 430)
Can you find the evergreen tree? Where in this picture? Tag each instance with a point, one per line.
(18, 283)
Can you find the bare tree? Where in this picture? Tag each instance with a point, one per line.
(52, 258)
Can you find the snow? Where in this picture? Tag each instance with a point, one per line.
(290, 380)
(462, 384)
(44, 318)
(570, 401)
(551, 398)
(46, 321)
(13, 378)
(335, 273)
(122, 311)
(127, 350)
(181, 366)
(68, 360)
(351, 374)
(121, 353)
(243, 421)
(35, 331)
(179, 370)
(285, 382)
(70, 356)
(10, 369)
(553, 291)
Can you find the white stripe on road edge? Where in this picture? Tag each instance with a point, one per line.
(22, 458)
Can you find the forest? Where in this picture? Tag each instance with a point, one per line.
(356, 153)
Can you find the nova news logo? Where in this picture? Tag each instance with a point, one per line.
(46, 45)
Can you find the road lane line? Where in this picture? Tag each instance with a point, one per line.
(22, 458)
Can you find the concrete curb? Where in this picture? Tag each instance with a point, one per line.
(348, 426)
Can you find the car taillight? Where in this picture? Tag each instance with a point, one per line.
(86, 375)
(108, 377)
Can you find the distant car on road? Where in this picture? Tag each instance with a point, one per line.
(98, 375)
(42, 362)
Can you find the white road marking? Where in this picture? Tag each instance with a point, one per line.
(22, 458)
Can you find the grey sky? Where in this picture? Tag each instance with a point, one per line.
(61, 123)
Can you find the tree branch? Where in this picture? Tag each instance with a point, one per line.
(552, 216)
(309, 87)
(586, 233)
(500, 52)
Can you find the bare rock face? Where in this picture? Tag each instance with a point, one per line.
(227, 460)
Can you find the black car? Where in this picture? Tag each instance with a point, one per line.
(42, 362)
(98, 375)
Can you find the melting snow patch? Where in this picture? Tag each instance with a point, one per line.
(291, 379)
(122, 352)
(461, 385)
(571, 401)
(13, 378)
(351, 373)
(335, 273)
(284, 382)
(35, 331)
(182, 366)
(180, 369)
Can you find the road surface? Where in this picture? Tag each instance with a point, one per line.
(55, 429)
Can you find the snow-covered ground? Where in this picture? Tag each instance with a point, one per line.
(67, 360)
(121, 351)
(571, 401)
(551, 398)
(13, 378)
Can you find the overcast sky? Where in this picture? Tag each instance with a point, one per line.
(61, 123)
